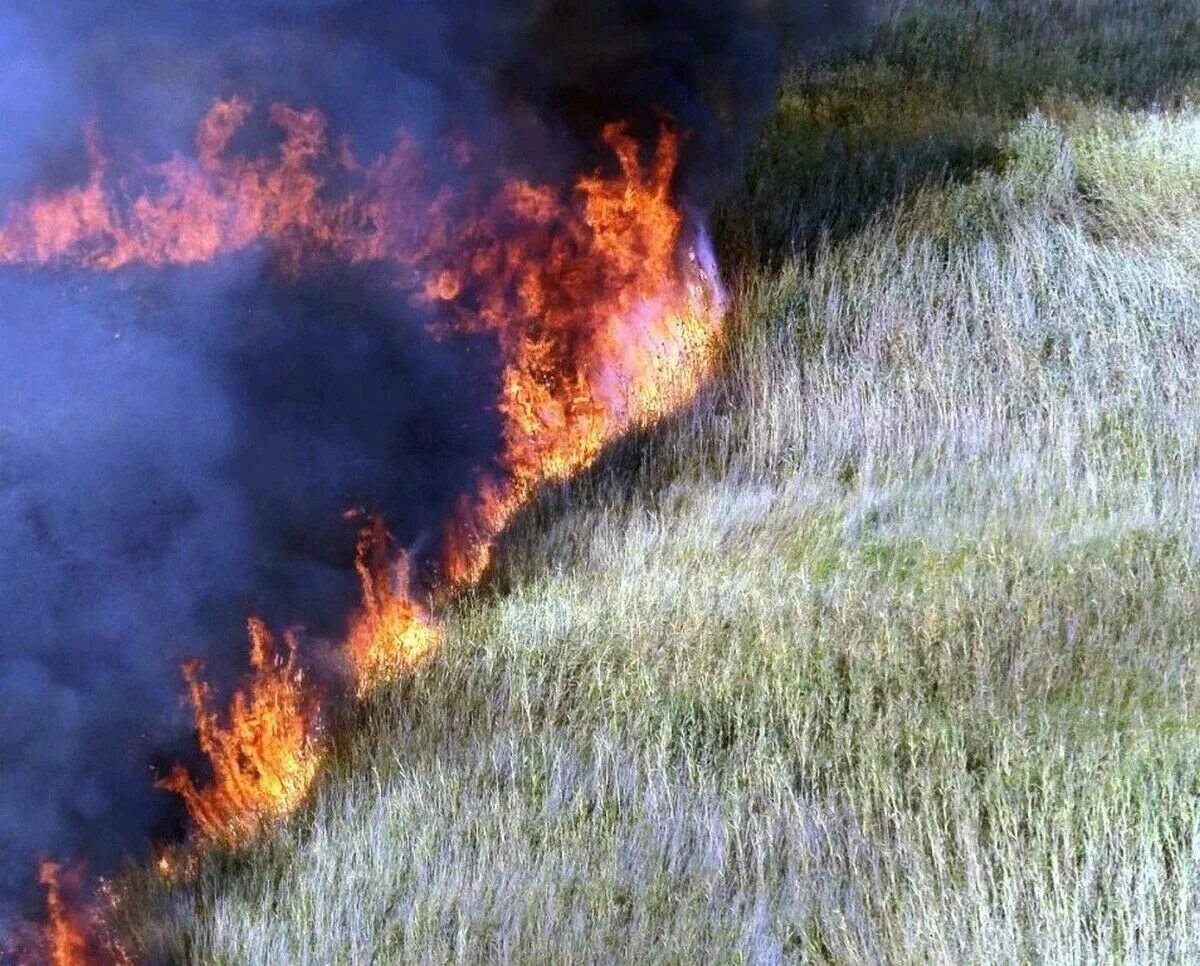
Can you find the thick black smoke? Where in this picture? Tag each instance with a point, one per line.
(177, 448)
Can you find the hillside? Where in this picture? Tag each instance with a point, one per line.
(884, 650)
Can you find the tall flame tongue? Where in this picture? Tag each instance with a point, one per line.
(601, 328)
(264, 761)
(391, 634)
(74, 933)
(604, 315)
(66, 933)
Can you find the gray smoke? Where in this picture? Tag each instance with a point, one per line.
(177, 447)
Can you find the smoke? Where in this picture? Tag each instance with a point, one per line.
(175, 458)
(177, 448)
(710, 68)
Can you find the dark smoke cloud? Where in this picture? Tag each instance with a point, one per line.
(174, 457)
(711, 68)
(176, 448)
(115, 519)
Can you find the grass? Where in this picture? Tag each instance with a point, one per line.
(887, 649)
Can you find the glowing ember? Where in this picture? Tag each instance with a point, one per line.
(605, 314)
(265, 759)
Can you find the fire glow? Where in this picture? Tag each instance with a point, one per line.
(602, 298)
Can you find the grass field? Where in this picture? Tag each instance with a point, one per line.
(887, 649)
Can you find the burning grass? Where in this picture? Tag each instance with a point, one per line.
(603, 300)
(265, 758)
(75, 932)
(392, 635)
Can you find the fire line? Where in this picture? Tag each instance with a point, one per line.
(602, 298)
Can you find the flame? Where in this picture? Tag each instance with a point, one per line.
(605, 307)
(265, 759)
(74, 933)
(65, 934)
(391, 635)
(601, 326)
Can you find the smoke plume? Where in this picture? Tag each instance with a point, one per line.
(178, 447)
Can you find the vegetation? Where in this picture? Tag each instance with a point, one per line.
(885, 650)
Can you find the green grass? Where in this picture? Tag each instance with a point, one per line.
(886, 649)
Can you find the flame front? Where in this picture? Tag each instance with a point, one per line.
(601, 325)
(606, 317)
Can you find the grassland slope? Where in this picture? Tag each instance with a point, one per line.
(887, 649)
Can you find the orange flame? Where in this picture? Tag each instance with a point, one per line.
(391, 635)
(604, 316)
(74, 933)
(602, 328)
(66, 931)
(264, 761)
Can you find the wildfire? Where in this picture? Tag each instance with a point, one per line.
(605, 309)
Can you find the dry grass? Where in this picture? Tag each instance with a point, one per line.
(886, 650)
